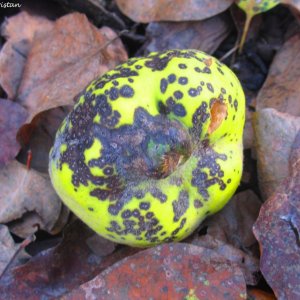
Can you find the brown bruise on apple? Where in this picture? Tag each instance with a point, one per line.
(218, 113)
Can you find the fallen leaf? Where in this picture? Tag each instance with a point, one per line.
(166, 10)
(281, 89)
(246, 262)
(12, 117)
(233, 224)
(100, 246)
(24, 26)
(170, 271)
(74, 51)
(96, 10)
(295, 4)
(58, 270)
(294, 161)
(257, 294)
(8, 248)
(205, 35)
(19, 31)
(277, 229)
(248, 135)
(229, 232)
(38, 136)
(27, 193)
(249, 175)
(274, 134)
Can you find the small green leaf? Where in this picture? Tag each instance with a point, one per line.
(252, 8)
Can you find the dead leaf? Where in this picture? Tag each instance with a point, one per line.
(38, 136)
(19, 30)
(12, 116)
(56, 271)
(246, 262)
(274, 134)
(248, 135)
(177, 10)
(281, 89)
(229, 232)
(74, 51)
(170, 271)
(27, 193)
(257, 294)
(295, 4)
(277, 229)
(294, 161)
(204, 35)
(95, 10)
(100, 246)
(8, 248)
(233, 224)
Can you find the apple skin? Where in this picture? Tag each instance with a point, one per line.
(152, 147)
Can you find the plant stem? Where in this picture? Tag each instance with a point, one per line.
(245, 31)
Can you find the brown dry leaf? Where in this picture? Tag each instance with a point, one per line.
(57, 271)
(277, 229)
(99, 245)
(95, 10)
(295, 4)
(281, 89)
(247, 263)
(248, 136)
(8, 248)
(19, 31)
(274, 135)
(172, 10)
(170, 271)
(257, 294)
(12, 117)
(38, 136)
(206, 35)
(294, 161)
(63, 61)
(233, 224)
(229, 232)
(27, 194)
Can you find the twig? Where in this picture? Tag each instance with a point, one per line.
(112, 40)
(24, 244)
(229, 53)
(108, 13)
(135, 37)
(29, 158)
(245, 32)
